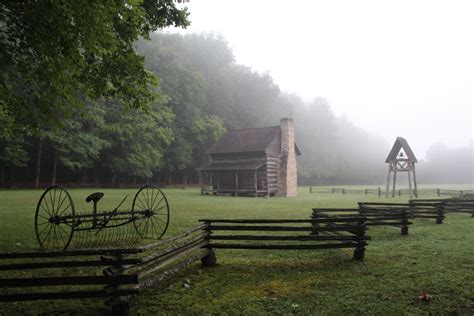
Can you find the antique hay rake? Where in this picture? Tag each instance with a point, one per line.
(58, 225)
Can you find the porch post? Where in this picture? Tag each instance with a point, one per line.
(255, 182)
(210, 181)
(200, 182)
(236, 175)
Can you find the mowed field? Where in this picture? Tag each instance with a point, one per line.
(438, 259)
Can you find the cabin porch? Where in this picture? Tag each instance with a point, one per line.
(239, 182)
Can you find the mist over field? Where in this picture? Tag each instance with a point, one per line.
(394, 69)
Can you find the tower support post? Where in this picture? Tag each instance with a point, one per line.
(409, 184)
(394, 180)
(414, 181)
(388, 179)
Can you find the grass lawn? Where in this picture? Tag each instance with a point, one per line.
(438, 259)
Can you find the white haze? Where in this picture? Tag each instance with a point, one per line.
(395, 68)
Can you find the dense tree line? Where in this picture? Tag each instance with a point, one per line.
(111, 139)
(69, 71)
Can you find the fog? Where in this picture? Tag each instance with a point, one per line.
(402, 68)
(352, 75)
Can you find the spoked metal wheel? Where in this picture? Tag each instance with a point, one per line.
(54, 219)
(151, 212)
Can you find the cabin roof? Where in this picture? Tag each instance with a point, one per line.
(247, 140)
(400, 143)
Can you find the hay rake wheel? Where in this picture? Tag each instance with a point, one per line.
(153, 207)
(56, 221)
(52, 230)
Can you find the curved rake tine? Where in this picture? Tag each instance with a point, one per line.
(124, 232)
(117, 237)
(89, 238)
(102, 237)
(96, 239)
(134, 234)
(114, 235)
(81, 241)
(108, 235)
(130, 233)
(85, 239)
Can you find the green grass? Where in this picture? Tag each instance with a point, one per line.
(438, 259)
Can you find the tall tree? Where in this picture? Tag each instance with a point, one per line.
(52, 52)
(138, 140)
(12, 143)
(77, 143)
(185, 89)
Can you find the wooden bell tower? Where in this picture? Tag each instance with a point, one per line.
(401, 159)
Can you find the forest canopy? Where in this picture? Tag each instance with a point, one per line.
(56, 53)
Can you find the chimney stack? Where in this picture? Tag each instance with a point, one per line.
(287, 174)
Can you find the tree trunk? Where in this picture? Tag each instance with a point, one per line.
(3, 175)
(38, 163)
(114, 179)
(55, 167)
(169, 178)
(84, 177)
(96, 179)
(27, 174)
(12, 177)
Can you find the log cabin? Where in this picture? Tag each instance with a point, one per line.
(253, 162)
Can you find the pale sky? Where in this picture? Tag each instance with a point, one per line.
(396, 68)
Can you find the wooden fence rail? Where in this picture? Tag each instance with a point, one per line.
(416, 210)
(124, 272)
(285, 234)
(379, 192)
(451, 205)
(379, 216)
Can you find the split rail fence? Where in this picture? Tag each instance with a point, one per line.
(289, 234)
(452, 205)
(376, 216)
(117, 274)
(379, 192)
(112, 274)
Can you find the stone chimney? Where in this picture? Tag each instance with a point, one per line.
(287, 174)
